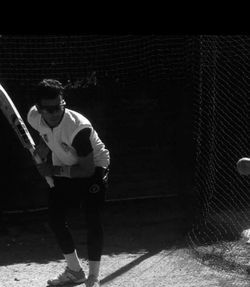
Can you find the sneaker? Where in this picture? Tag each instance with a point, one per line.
(68, 277)
(92, 281)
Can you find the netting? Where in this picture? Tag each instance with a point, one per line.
(214, 69)
(124, 58)
(222, 129)
(135, 86)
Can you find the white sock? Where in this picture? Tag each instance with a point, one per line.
(94, 267)
(73, 261)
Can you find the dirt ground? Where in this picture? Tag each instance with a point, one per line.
(145, 245)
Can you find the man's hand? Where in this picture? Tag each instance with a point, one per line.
(243, 166)
(45, 169)
(42, 150)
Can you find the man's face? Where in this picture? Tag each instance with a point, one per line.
(52, 110)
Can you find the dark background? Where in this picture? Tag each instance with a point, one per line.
(172, 109)
(140, 101)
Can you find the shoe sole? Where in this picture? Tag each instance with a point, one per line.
(66, 284)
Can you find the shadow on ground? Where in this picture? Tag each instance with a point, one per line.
(147, 226)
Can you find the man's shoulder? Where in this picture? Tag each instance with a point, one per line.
(76, 117)
(74, 122)
(33, 117)
(73, 112)
(33, 110)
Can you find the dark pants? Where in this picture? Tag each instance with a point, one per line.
(88, 194)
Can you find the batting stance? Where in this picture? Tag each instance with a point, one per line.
(79, 165)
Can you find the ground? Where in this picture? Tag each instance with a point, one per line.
(145, 245)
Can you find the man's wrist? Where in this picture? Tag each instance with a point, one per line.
(63, 171)
(56, 170)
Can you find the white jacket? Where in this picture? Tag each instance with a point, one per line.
(60, 138)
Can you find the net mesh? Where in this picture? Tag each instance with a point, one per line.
(125, 58)
(222, 133)
(133, 80)
(212, 69)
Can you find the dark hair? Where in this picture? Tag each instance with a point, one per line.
(48, 89)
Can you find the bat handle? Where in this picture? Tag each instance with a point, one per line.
(38, 160)
(50, 181)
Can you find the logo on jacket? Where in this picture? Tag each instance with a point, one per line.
(65, 147)
(94, 188)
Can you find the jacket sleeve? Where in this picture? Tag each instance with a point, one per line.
(82, 143)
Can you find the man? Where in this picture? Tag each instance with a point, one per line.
(79, 168)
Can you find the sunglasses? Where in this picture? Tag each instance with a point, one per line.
(52, 109)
